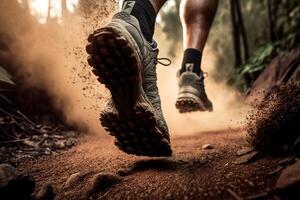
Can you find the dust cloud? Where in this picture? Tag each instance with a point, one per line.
(53, 56)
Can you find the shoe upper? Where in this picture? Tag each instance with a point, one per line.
(148, 53)
(191, 83)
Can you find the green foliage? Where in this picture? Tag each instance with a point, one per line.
(265, 53)
(257, 62)
(286, 31)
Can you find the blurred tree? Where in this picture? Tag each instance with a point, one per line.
(64, 9)
(240, 43)
(170, 23)
(271, 19)
(49, 9)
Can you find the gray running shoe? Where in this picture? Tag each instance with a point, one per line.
(191, 95)
(126, 63)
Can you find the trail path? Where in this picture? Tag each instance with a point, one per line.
(191, 173)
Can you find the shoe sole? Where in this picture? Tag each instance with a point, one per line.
(117, 67)
(190, 103)
(138, 135)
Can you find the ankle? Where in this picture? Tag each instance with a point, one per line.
(145, 13)
(192, 61)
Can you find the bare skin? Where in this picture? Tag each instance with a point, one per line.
(196, 18)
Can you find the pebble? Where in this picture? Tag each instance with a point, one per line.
(72, 180)
(207, 146)
(103, 181)
(124, 172)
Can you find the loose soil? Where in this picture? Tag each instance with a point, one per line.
(191, 173)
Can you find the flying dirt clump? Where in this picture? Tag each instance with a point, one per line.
(274, 126)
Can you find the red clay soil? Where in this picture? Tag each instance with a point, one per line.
(191, 173)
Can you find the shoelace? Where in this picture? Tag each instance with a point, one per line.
(159, 61)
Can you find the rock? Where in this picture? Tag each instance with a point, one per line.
(45, 193)
(124, 172)
(11, 180)
(207, 146)
(72, 180)
(103, 181)
(244, 151)
(288, 160)
(247, 158)
(182, 162)
(282, 69)
(276, 171)
(288, 183)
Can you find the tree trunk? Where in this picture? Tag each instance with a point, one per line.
(271, 21)
(242, 30)
(65, 11)
(49, 9)
(235, 34)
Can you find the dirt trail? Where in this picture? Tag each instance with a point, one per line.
(191, 173)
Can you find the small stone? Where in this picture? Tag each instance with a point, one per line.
(45, 193)
(182, 162)
(124, 172)
(103, 181)
(72, 180)
(247, 158)
(288, 182)
(11, 180)
(207, 146)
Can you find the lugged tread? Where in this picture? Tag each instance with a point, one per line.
(185, 105)
(115, 65)
(136, 136)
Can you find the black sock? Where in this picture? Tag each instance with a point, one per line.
(145, 14)
(191, 61)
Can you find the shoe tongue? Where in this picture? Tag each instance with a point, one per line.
(189, 67)
(127, 6)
